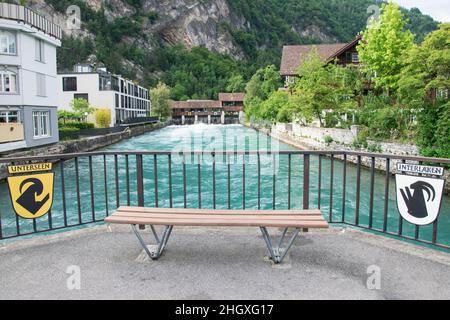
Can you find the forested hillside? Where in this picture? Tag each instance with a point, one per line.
(154, 40)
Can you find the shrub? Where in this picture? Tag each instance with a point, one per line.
(433, 136)
(374, 147)
(443, 132)
(78, 125)
(360, 142)
(103, 118)
(328, 140)
(65, 115)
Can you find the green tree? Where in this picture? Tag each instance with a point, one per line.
(384, 47)
(424, 86)
(82, 107)
(73, 51)
(65, 115)
(320, 89)
(427, 68)
(236, 84)
(160, 97)
(273, 108)
(271, 81)
(259, 88)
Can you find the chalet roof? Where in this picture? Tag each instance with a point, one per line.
(229, 97)
(293, 56)
(193, 104)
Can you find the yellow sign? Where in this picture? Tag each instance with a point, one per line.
(31, 195)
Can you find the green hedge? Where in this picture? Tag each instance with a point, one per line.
(78, 125)
(68, 133)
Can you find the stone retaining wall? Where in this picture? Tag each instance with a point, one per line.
(81, 145)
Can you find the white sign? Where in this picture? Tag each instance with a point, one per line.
(419, 198)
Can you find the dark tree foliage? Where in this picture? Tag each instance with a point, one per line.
(73, 51)
(198, 74)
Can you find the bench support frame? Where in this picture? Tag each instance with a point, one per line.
(161, 243)
(278, 253)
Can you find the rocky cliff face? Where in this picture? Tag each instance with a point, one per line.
(196, 23)
(190, 22)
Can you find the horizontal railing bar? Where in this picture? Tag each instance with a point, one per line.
(54, 229)
(396, 235)
(296, 152)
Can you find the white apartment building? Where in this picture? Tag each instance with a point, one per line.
(28, 105)
(103, 89)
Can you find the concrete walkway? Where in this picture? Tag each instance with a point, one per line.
(219, 264)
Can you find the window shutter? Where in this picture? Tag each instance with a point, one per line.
(40, 85)
(37, 50)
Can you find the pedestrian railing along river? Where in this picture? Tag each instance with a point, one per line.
(360, 193)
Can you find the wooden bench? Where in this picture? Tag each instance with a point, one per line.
(296, 219)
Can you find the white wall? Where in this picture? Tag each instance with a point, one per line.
(87, 83)
(29, 67)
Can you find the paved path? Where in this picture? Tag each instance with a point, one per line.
(220, 264)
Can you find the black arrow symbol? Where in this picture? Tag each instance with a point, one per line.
(28, 198)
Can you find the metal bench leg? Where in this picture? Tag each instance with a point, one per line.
(277, 254)
(154, 255)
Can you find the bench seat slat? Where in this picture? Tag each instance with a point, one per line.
(231, 222)
(223, 217)
(220, 211)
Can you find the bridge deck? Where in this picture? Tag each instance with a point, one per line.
(323, 265)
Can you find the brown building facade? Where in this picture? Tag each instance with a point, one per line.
(227, 110)
(294, 56)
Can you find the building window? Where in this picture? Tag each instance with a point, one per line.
(70, 84)
(7, 43)
(9, 117)
(355, 57)
(115, 83)
(41, 124)
(8, 82)
(104, 83)
(83, 68)
(40, 50)
(83, 96)
(41, 88)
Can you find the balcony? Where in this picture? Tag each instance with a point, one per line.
(11, 132)
(31, 18)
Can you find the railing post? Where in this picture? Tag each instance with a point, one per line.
(386, 195)
(306, 171)
(140, 180)
(140, 183)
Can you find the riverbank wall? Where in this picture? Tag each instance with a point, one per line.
(312, 138)
(81, 145)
